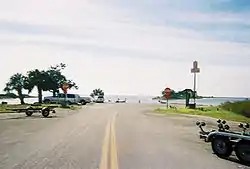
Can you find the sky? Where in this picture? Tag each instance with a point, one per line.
(131, 47)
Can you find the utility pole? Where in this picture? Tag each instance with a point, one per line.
(195, 70)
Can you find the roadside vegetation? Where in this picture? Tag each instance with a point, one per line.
(240, 107)
(9, 108)
(233, 111)
(97, 92)
(50, 79)
(180, 95)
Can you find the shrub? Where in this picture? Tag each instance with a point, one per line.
(240, 107)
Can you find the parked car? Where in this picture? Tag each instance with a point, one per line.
(121, 101)
(100, 99)
(87, 99)
(70, 99)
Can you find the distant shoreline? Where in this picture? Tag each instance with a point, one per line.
(203, 97)
(163, 98)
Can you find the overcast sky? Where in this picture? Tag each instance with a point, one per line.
(131, 46)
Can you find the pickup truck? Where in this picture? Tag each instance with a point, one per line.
(70, 99)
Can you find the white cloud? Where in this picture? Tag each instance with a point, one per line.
(109, 48)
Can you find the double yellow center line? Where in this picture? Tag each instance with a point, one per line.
(109, 159)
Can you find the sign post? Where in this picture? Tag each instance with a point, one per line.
(167, 92)
(65, 88)
(195, 70)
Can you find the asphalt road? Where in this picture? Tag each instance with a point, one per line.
(105, 136)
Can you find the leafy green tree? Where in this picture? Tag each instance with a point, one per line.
(92, 95)
(163, 93)
(17, 82)
(38, 79)
(48, 80)
(44, 80)
(97, 92)
(72, 85)
(188, 94)
(189, 91)
(56, 79)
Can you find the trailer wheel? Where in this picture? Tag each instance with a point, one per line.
(45, 112)
(28, 113)
(242, 151)
(221, 147)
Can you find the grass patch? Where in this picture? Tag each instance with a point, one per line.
(8, 107)
(214, 112)
(71, 107)
(240, 107)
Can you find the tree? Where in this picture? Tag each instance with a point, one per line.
(56, 79)
(39, 79)
(17, 82)
(97, 92)
(92, 95)
(188, 93)
(49, 80)
(72, 85)
(184, 94)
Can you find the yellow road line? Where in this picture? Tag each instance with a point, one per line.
(109, 148)
(105, 148)
(113, 147)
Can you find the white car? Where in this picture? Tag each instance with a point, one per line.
(70, 99)
(100, 99)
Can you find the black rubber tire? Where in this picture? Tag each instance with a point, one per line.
(221, 147)
(28, 113)
(242, 148)
(83, 102)
(45, 113)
